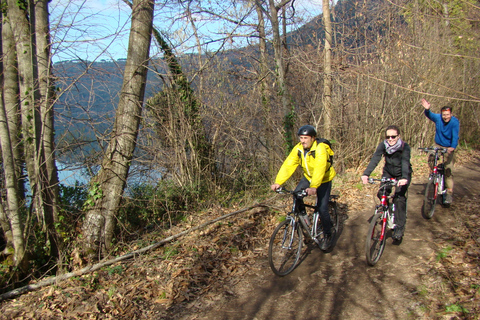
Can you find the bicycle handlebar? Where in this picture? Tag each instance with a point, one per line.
(435, 149)
(299, 194)
(386, 181)
(302, 193)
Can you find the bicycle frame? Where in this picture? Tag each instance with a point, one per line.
(381, 220)
(387, 215)
(437, 174)
(312, 230)
(288, 237)
(292, 222)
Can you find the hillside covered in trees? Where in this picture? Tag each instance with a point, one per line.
(213, 124)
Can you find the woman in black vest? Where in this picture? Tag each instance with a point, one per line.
(397, 165)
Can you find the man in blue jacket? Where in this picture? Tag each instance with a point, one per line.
(447, 128)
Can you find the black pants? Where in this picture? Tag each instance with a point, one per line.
(400, 201)
(323, 195)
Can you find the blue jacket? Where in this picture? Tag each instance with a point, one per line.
(446, 134)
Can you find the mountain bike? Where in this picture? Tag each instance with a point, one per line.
(435, 188)
(287, 239)
(381, 222)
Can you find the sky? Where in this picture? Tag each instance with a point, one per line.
(98, 30)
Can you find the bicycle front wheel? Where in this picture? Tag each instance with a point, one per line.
(430, 198)
(375, 244)
(285, 247)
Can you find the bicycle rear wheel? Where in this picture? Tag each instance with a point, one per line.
(428, 207)
(284, 248)
(374, 245)
(332, 210)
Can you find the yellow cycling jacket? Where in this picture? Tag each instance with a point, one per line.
(315, 165)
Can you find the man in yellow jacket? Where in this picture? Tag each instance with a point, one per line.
(318, 173)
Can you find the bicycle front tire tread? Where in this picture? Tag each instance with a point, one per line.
(374, 246)
(429, 200)
(282, 257)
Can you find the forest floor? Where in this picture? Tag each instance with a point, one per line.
(222, 272)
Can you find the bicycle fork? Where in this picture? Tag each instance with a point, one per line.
(384, 204)
(290, 235)
(439, 183)
(315, 228)
(384, 226)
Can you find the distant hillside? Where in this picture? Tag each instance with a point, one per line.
(89, 97)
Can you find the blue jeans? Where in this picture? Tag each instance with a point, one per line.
(323, 195)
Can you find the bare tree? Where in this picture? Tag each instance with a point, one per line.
(48, 168)
(27, 92)
(10, 211)
(327, 81)
(107, 187)
(263, 82)
(10, 108)
(18, 18)
(281, 76)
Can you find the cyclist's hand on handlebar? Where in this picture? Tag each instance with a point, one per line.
(311, 191)
(274, 186)
(450, 150)
(402, 182)
(364, 179)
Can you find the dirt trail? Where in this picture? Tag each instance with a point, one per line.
(340, 285)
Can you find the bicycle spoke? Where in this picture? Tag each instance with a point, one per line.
(284, 248)
(375, 244)
(332, 209)
(430, 198)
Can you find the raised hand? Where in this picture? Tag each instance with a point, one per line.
(425, 104)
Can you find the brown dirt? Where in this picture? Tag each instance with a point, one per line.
(223, 273)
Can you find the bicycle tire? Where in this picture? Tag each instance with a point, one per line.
(443, 192)
(332, 210)
(429, 200)
(283, 256)
(374, 246)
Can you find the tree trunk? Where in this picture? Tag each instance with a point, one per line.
(14, 228)
(9, 103)
(46, 150)
(288, 112)
(11, 100)
(327, 82)
(107, 187)
(26, 73)
(262, 79)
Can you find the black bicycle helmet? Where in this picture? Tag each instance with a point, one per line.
(307, 130)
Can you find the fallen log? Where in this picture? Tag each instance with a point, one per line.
(91, 268)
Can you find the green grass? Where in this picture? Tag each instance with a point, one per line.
(444, 253)
(169, 252)
(455, 308)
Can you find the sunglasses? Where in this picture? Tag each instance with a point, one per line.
(391, 137)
